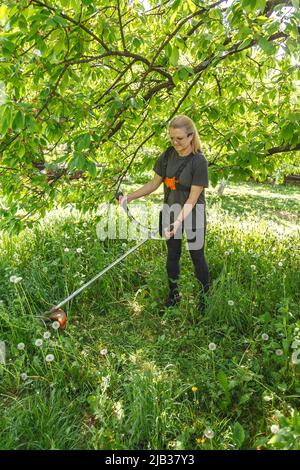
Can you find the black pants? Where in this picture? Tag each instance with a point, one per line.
(174, 246)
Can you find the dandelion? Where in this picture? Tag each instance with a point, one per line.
(274, 428)
(231, 251)
(15, 279)
(47, 335)
(49, 358)
(253, 267)
(103, 352)
(295, 359)
(55, 325)
(280, 264)
(200, 440)
(278, 352)
(295, 343)
(209, 433)
(226, 253)
(21, 346)
(265, 337)
(230, 302)
(212, 346)
(66, 250)
(24, 376)
(79, 250)
(38, 343)
(194, 389)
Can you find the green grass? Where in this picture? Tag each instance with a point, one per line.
(138, 394)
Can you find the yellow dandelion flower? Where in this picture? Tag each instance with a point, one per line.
(200, 440)
(194, 389)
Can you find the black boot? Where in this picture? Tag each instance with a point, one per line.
(174, 296)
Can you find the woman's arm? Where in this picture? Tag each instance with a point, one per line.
(148, 188)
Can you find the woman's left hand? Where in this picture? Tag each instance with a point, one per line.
(172, 233)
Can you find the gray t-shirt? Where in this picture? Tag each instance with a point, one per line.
(195, 173)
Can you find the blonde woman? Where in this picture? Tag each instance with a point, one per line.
(184, 171)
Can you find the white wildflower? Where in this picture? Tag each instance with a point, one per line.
(15, 279)
(24, 376)
(49, 358)
(274, 428)
(47, 335)
(265, 337)
(295, 359)
(278, 352)
(55, 325)
(21, 346)
(280, 264)
(209, 433)
(66, 250)
(79, 250)
(212, 346)
(103, 352)
(230, 302)
(253, 267)
(38, 343)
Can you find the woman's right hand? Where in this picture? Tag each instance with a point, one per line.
(122, 200)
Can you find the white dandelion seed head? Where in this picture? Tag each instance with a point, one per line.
(47, 335)
(38, 342)
(55, 325)
(66, 250)
(49, 358)
(79, 250)
(253, 267)
(21, 346)
(231, 251)
(230, 302)
(103, 352)
(212, 346)
(278, 352)
(280, 264)
(265, 337)
(295, 343)
(15, 279)
(295, 358)
(209, 433)
(274, 428)
(226, 253)
(24, 376)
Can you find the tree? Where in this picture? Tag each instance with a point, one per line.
(91, 85)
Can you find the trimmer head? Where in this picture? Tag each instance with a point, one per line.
(57, 314)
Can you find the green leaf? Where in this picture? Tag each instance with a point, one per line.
(5, 119)
(19, 121)
(238, 434)
(83, 141)
(174, 56)
(267, 46)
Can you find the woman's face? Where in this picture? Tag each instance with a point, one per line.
(180, 139)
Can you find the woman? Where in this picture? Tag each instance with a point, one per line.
(185, 191)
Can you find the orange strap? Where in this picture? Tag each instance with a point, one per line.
(171, 182)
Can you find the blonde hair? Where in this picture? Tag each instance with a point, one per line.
(186, 123)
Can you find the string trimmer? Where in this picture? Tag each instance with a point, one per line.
(57, 313)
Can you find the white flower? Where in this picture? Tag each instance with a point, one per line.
(49, 358)
(253, 267)
(103, 352)
(21, 346)
(47, 335)
(226, 253)
(231, 250)
(66, 250)
(24, 376)
(209, 433)
(230, 302)
(295, 359)
(280, 264)
(278, 352)
(274, 428)
(265, 337)
(295, 343)
(55, 325)
(15, 279)
(38, 342)
(212, 346)
(79, 250)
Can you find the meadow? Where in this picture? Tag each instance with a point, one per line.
(128, 374)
